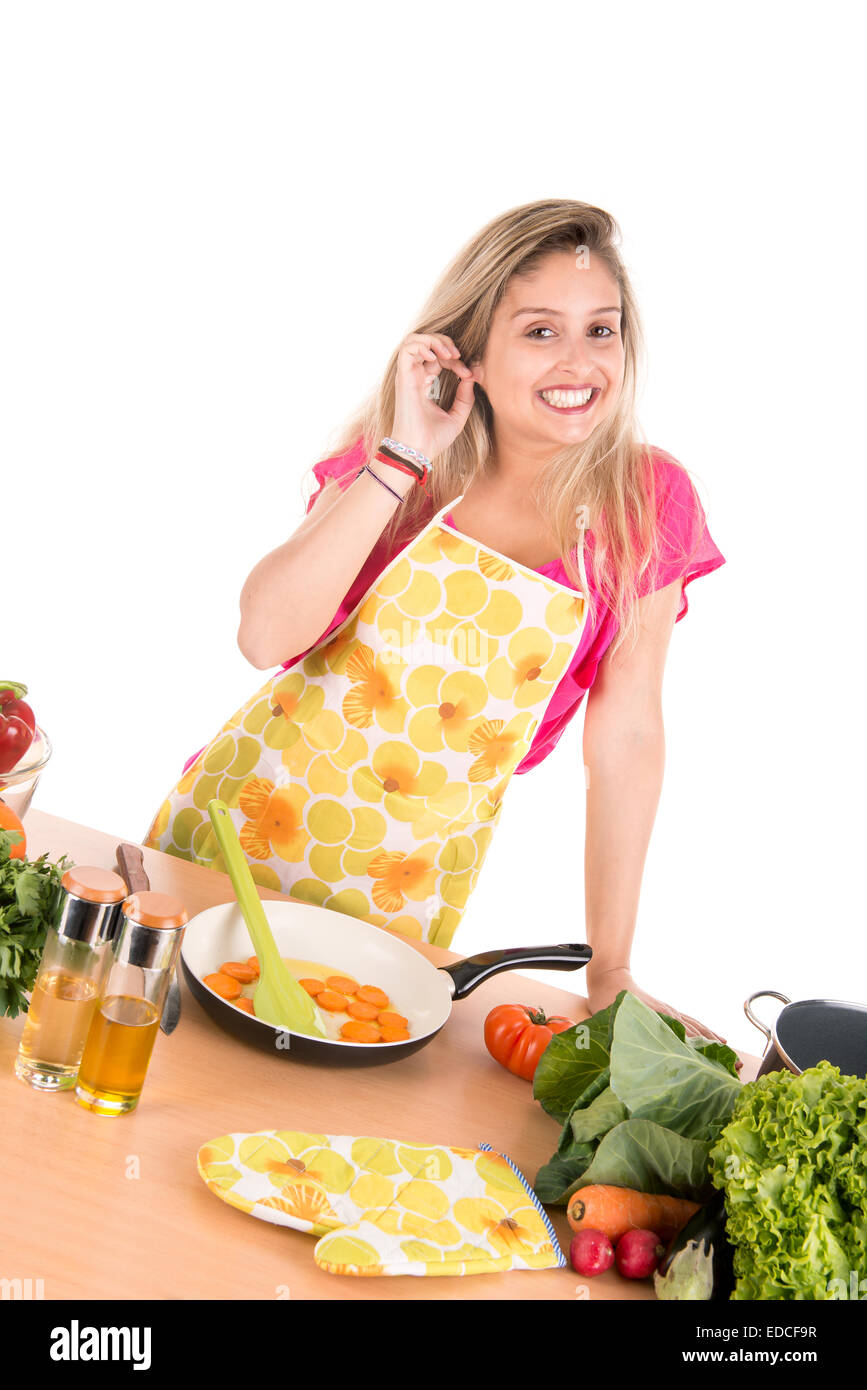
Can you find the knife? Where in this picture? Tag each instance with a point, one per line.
(130, 862)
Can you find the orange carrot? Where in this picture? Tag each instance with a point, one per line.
(371, 994)
(254, 961)
(392, 1020)
(333, 1002)
(246, 1005)
(313, 987)
(238, 971)
(357, 1031)
(616, 1210)
(224, 985)
(394, 1034)
(342, 984)
(367, 1012)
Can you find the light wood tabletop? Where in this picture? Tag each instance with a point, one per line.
(115, 1208)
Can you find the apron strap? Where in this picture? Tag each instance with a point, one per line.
(447, 508)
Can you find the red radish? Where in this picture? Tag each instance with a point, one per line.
(638, 1253)
(591, 1252)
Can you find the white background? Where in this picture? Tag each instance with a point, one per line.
(219, 219)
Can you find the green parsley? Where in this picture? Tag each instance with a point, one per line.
(27, 895)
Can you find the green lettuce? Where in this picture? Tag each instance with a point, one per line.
(792, 1162)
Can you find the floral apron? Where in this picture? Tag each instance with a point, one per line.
(369, 778)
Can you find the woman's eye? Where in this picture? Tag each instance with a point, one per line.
(602, 337)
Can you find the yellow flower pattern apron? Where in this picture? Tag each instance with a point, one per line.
(369, 777)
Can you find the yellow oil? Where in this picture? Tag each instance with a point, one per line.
(117, 1054)
(61, 1011)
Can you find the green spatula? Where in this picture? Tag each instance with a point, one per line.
(279, 998)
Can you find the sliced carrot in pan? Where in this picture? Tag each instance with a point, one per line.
(331, 1001)
(358, 1031)
(371, 994)
(239, 971)
(224, 985)
(394, 1035)
(342, 984)
(313, 987)
(367, 1012)
(391, 1020)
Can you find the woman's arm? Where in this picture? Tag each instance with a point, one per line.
(293, 593)
(624, 756)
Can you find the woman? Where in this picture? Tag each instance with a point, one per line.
(448, 619)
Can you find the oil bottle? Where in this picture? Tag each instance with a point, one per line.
(71, 975)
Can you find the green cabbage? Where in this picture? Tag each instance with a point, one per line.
(792, 1162)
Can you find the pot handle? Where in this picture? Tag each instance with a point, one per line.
(467, 975)
(763, 994)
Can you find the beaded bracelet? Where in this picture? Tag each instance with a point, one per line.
(405, 448)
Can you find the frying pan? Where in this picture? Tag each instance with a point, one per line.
(811, 1031)
(423, 993)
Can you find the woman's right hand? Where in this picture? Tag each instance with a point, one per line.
(418, 420)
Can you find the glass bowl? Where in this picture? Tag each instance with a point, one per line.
(19, 783)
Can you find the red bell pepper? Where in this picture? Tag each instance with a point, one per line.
(17, 724)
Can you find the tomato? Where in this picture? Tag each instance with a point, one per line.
(9, 821)
(17, 724)
(516, 1035)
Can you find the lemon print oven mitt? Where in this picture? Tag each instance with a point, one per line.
(381, 1206)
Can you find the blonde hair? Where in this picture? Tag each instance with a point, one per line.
(608, 480)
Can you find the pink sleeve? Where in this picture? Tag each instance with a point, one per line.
(686, 547)
(342, 467)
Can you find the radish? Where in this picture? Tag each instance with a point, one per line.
(638, 1253)
(591, 1252)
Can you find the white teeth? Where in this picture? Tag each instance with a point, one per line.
(568, 399)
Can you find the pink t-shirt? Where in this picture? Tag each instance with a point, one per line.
(686, 549)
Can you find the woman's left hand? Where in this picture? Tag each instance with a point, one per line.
(602, 990)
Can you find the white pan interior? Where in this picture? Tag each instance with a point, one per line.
(303, 932)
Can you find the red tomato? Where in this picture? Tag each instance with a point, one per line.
(17, 724)
(516, 1035)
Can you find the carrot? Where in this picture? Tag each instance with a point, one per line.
(616, 1210)
(224, 985)
(246, 1005)
(357, 1031)
(394, 1035)
(392, 1020)
(254, 961)
(313, 987)
(238, 971)
(332, 1001)
(367, 1012)
(343, 984)
(370, 994)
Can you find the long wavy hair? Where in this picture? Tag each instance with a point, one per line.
(610, 474)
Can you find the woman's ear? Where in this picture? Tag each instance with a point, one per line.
(477, 367)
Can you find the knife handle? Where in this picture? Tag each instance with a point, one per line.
(130, 861)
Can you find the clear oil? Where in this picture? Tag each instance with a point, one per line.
(61, 1011)
(117, 1054)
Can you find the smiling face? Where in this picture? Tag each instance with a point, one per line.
(553, 364)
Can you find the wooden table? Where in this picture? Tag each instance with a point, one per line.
(115, 1208)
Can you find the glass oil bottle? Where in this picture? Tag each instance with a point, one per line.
(72, 971)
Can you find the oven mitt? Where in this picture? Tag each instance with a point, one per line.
(381, 1206)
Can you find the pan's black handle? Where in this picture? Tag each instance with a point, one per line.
(468, 974)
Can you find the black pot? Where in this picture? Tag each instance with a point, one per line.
(811, 1031)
